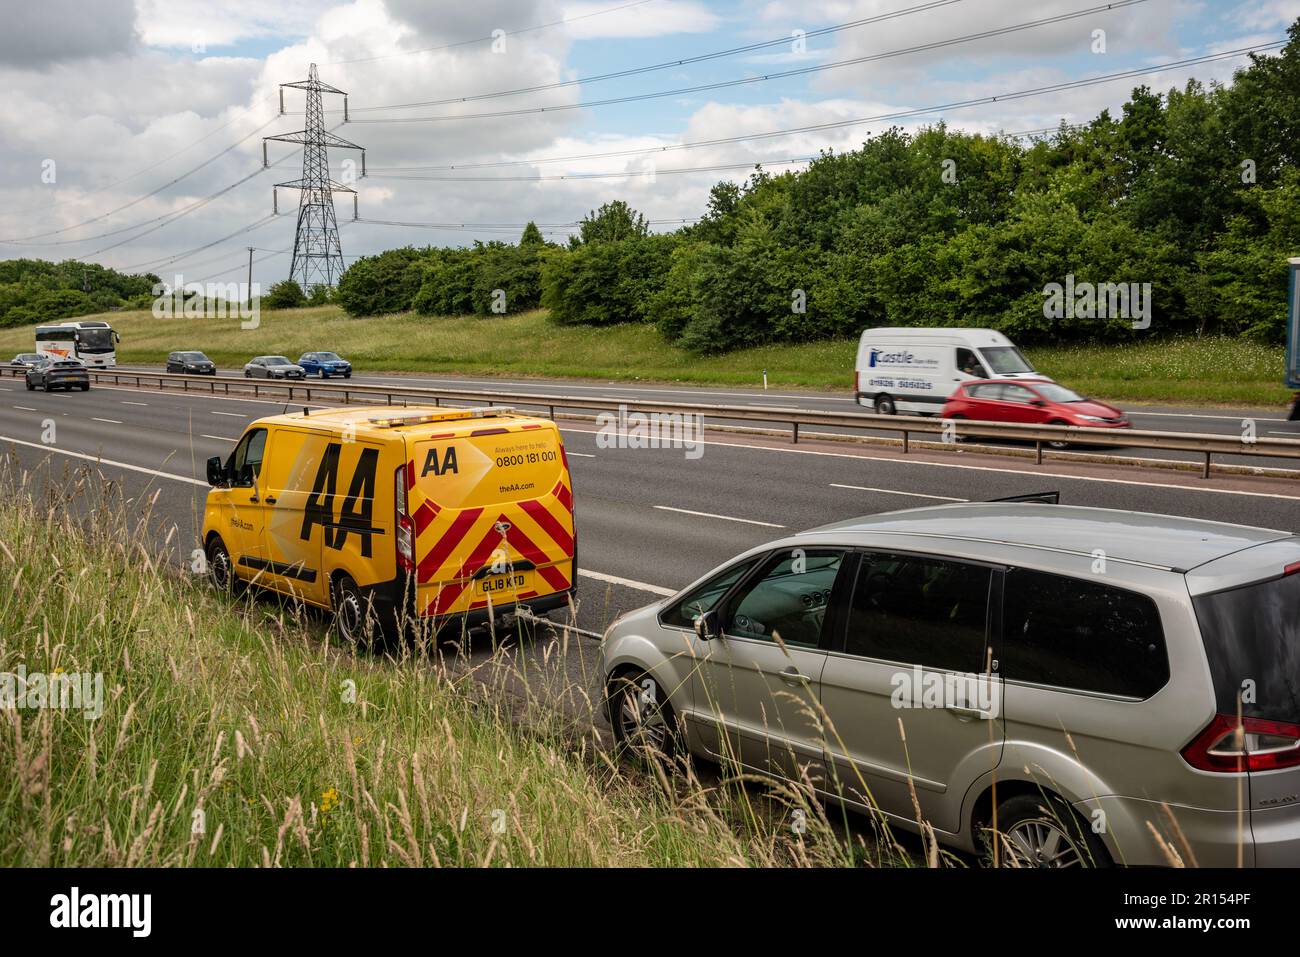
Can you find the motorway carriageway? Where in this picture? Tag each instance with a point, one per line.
(649, 520)
(1269, 423)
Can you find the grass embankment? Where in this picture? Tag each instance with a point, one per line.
(227, 737)
(1212, 371)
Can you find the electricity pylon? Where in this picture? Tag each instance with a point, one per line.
(317, 254)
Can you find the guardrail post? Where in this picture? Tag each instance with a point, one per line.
(389, 397)
(255, 392)
(137, 382)
(212, 387)
(290, 393)
(1038, 451)
(345, 397)
(227, 388)
(185, 385)
(1206, 473)
(906, 442)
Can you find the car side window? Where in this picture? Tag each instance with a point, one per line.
(918, 610)
(970, 364)
(985, 391)
(248, 454)
(787, 600)
(1017, 393)
(704, 596)
(1079, 634)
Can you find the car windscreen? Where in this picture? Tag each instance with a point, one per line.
(1252, 640)
(1056, 393)
(276, 361)
(1005, 360)
(327, 357)
(193, 357)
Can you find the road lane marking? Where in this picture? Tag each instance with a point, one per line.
(109, 421)
(25, 408)
(237, 415)
(219, 438)
(725, 518)
(581, 455)
(1201, 415)
(626, 582)
(99, 459)
(125, 402)
(893, 491)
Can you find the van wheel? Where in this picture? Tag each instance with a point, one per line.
(355, 620)
(1037, 830)
(221, 570)
(885, 406)
(645, 726)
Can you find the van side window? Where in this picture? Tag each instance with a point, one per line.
(921, 611)
(704, 596)
(1073, 633)
(968, 363)
(248, 453)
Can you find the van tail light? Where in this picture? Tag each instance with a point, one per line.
(405, 527)
(1254, 744)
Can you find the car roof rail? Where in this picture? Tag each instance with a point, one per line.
(1043, 498)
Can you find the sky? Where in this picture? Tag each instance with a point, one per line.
(131, 134)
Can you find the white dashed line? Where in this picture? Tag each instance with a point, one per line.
(109, 421)
(725, 518)
(626, 583)
(894, 491)
(237, 415)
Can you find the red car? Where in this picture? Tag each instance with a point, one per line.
(1032, 401)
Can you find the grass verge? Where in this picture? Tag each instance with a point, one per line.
(1210, 371)
(232, 734)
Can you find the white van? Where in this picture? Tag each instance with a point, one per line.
(915, 370)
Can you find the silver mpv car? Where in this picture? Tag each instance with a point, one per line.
(1125, 686)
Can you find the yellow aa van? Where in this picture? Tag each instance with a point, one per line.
(390, 517)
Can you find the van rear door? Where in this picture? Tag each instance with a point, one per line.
(492, 509)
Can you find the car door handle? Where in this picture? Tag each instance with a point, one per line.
(792, 676)
(967, 714)
(254, 498)
(270, 500)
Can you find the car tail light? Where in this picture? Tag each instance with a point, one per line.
(405, 527)
(1291, 569)
(1253, 744)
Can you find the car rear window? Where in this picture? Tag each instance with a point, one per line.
(1082, 635)
(1252, 640)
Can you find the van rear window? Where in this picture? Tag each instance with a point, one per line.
(469, 471)
(1252, 640)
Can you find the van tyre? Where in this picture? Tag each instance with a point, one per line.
(645, 726)
(885, 405)
(1038, 830)
(221, 570)
(354, 618)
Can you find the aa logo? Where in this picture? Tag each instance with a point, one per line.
(358, 506)
(448, 464)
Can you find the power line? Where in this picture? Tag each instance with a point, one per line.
(762, 78)
(603, 175)
(668, 64)
(858, 121)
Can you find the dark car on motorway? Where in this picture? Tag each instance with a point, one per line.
(25, 360)
(325, 364)
(190, 363)
(51, 374)
(273, 367)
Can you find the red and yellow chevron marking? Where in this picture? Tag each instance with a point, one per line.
(451, 545)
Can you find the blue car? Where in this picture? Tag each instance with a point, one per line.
(325, 364)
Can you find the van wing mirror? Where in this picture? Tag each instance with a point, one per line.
(708, 626)
(216, 471)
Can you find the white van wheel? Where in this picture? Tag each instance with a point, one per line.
(885, 405)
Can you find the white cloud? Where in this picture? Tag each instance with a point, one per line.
(651, 19)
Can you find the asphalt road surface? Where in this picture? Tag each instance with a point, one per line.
(650, 521)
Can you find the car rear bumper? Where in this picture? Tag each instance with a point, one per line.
(1215, 837)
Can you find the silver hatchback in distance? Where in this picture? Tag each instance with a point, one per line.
(1075, 674)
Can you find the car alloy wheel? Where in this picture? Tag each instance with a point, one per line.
(1042, 842)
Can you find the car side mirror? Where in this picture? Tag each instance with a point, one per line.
(708, 626)
(216, 471)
